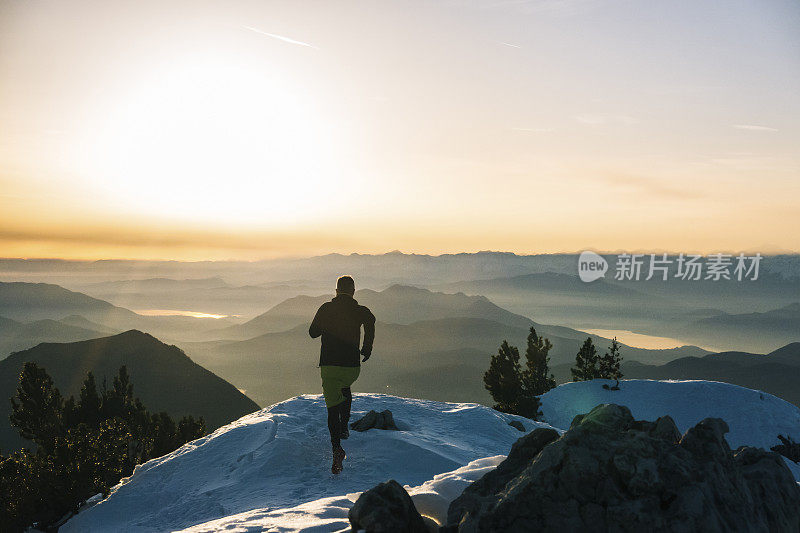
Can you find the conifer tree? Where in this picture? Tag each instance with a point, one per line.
(84, 446)
(514, 388)
(586, 362)
(37, 408)
(610, 363)
(503, 380)
(537, 374)
(88, 409)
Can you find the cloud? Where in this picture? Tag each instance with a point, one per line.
(280, 37)
(753, 127)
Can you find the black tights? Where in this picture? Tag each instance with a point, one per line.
(339, 416)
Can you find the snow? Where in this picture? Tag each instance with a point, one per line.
(754, 418)
(431, 499)
(270, 470)
(276, 463)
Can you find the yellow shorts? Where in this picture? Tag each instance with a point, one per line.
(336, 378)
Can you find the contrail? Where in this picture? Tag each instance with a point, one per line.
(509, 44)
(753, 127)
(280, 37)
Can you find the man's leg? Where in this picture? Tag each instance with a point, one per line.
(334, 380)
(351, 374)
(345, 412)
(335, 424)
(332, 384)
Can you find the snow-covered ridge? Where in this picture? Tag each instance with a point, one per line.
(270, 470)
(280, 457)
(755, 418)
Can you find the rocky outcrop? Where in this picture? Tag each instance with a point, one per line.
(386, 507)
(516, 424)
(788, 448)
(609, 472)
(373, 419)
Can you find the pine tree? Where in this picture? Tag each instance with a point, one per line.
(88, 408)
(610, 363)
(537, 377)
(503, 380)
(190, 428)
(586, 362)
(75, 459)
(510, 385)
(37, 408)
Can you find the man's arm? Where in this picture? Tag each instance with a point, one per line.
(315, 330)
(369, 333)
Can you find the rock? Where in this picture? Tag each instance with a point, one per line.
(517, 424)
(481, 493)
(373, 419)
(386, 507)
(609, 472)
(788, 448)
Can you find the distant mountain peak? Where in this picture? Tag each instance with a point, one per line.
(791, 349)
(135, 334)
(399, 287)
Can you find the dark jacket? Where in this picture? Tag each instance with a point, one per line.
(339, 322)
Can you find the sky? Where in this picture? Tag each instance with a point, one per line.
(258, 129)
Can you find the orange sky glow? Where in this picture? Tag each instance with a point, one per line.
(236, 130)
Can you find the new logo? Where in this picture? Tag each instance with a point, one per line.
(591, 266)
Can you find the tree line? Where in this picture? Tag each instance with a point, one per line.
(516, 389)
(83, 446)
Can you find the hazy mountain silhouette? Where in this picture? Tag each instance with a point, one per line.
(655, 307)
(157, 284)
(164, 377)
(441, 358)
(553, 297)
(15, 336)
(545, 282)
(206, 295)
(370, 270)
(398, 304)
(38, 301)
(769, 328)
(82, 322)
(694, 311)
(26, 302)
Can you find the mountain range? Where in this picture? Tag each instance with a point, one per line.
(16, 335)
(779, 326)
(26, 302)
(164, 378)
(427, 344)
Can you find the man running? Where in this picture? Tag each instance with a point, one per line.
(339, 322)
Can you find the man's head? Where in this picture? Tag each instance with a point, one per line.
(345, 285)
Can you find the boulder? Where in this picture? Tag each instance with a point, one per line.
(609, 472)
(373, 419)
(788, 448)
(386, 507)
(516, 424)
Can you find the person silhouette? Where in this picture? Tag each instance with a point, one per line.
(339, 322)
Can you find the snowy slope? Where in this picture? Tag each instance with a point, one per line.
(279, 458)
(432, 499)
(755, 418)
(269, 471)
